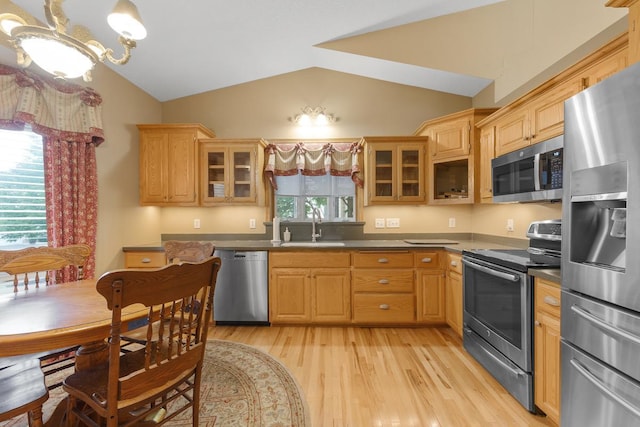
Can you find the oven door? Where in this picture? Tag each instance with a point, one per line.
(497, 307)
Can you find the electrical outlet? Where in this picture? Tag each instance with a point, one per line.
(252, 223)
(452, 222)
(510, 224)
(393, 222)
(379, 222)
(196, 223)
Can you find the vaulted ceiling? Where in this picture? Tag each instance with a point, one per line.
(457, 46)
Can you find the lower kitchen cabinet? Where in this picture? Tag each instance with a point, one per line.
(430, 287)
(547, 348)
(302, 294)
(453, 292)
(383, 287)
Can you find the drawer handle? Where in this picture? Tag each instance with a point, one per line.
(454, 263)
(383, 281)
(383, 260)
(384, 307)
(426, 259)
(145, 260)
(551, 301)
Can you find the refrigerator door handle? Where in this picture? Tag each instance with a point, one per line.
(596, 382)
(604, 325)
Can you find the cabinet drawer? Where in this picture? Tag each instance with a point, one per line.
(144, 259)
(329, 258)
(381, 259)
(454, 263)
(383, 280)
(547, 297)
(384, 308)
(428, 260)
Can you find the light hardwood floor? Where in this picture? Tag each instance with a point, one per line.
(355, 377)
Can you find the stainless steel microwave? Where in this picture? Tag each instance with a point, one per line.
(529, 175)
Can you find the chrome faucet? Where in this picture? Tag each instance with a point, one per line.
(315, 212)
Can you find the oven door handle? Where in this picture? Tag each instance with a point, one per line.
(596, 382)
(604, 325)
(500, 274)
(494, 357)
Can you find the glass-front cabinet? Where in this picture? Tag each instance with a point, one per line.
(395, 169)
(229, 171)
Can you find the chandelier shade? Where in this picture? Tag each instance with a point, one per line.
(74, 54)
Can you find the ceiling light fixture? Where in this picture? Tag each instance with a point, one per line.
(74, 54)
(313, 117)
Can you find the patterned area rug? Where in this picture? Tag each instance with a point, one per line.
(241, 386)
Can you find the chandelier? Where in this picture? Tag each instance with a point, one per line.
(74, 54)
(313, 117)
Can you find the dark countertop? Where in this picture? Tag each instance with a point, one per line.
(390, 244)
(551, 274)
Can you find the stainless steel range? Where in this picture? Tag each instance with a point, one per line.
(498, 304)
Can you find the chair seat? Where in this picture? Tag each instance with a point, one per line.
(22, 388)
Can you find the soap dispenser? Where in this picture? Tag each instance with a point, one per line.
(286, 234)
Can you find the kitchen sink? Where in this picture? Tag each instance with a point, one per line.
(311, 244)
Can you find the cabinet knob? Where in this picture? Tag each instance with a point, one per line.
(537, 323)
(384, 307)
(454, 263)
(426, 260)
(383, 260)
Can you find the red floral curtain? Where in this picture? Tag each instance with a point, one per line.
(313, 159)
(69, 118)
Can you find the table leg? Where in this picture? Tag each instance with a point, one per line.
(91, 354)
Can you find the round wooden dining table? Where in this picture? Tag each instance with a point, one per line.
(58, 316)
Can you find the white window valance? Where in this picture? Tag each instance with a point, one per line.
(313, 159)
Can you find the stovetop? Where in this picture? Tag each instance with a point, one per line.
(516, 259)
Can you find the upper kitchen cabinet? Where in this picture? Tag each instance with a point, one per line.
(634, 26)
(487, 153)
(168, 163)
(539, 115)
(230, 171)
(453, 148)
(395, 169)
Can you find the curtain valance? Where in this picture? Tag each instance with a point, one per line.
(313, 159)
(54, 108)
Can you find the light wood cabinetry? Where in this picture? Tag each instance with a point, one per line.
(453, 297)
(547, 348)
(310, 287)
(383, 287)
(634, 26)
(539, 114)
(168, 163)
(395, 170)
(230, 171)
(453, 149)
(145, 259)
(430, 286)
(487, 153)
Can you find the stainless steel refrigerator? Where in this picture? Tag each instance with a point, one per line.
(600, 342)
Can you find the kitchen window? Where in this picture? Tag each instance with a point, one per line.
(297, 195)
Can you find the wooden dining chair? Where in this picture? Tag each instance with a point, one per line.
(164, 376)
(188, 251)
(35, 266)
(23, 390)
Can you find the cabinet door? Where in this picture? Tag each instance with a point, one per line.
(181, 168)
(153, 167)
(606, 68)
(410, 179)
(547, 112)
(453, 292)
(331, 298)
(229, 174)
(512, 131)
(450, 139)
(430, 296)
(382, 173)
(215, 166)
(290, 295)
(487, 153)
(242, 175)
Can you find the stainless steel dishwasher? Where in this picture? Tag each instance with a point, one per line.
(242, 293)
